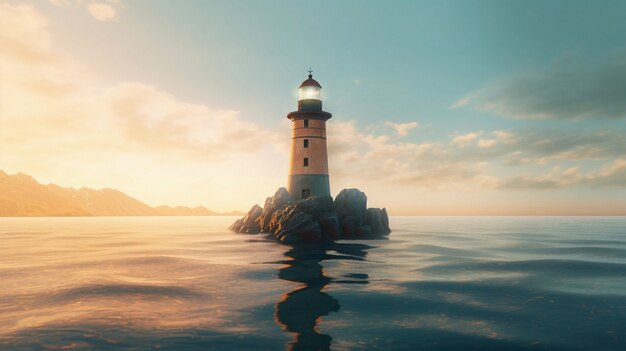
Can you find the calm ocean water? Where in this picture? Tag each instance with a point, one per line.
(438, 283)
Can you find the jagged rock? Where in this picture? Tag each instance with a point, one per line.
(300, 220)
(378, 220)
(275, 221)
(248, 223)
(300, 227)
(273, 204)
(316, 218)
(316, 206)
(237, 225)
(351, 202)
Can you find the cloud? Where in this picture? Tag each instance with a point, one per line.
(547, 145)
(467, 162)
(402, 129)
(100, 10)
(151, 118)
(23, 37)
(610, 175)
(569, 89)
(460, 103)
(486, 143)
(537, 146)
(389, 160)
(73, 109)
(613, 175)
(556, 178)
(465, 139)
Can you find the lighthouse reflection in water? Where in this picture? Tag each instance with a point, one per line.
(300, 310)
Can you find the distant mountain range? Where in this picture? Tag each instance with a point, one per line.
(22, 196)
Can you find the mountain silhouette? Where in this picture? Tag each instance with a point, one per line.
(22, 196)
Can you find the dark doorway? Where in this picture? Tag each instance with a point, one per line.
(306, 193)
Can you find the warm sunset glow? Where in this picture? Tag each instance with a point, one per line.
(171, 179)
(181, 117)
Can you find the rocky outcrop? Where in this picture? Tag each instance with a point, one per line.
(248, 224)
(273, 204)
(315, 219)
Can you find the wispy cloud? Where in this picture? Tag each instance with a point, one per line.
(387, 159)
(464, 139)
(466, 161)
(100, 10)
(73, 109)
(569, 89)
(461, 102)
(610, 175)
(151, 118)
(486, 143)
(402, 129)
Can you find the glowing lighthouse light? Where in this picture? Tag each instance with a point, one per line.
(310, 89)
(310, 92)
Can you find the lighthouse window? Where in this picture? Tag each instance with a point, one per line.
(306, 143)
(306, 162)
(306, 123)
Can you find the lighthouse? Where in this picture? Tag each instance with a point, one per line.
(308, 169)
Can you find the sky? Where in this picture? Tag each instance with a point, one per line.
(439, 107)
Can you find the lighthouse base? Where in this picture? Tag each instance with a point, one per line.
(301, 186)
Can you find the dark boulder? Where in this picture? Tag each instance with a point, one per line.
(273, 204)
(378, 221)
(351, 203)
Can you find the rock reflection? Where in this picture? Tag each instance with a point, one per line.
(299, 311)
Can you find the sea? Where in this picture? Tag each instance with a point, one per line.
(436, 283)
